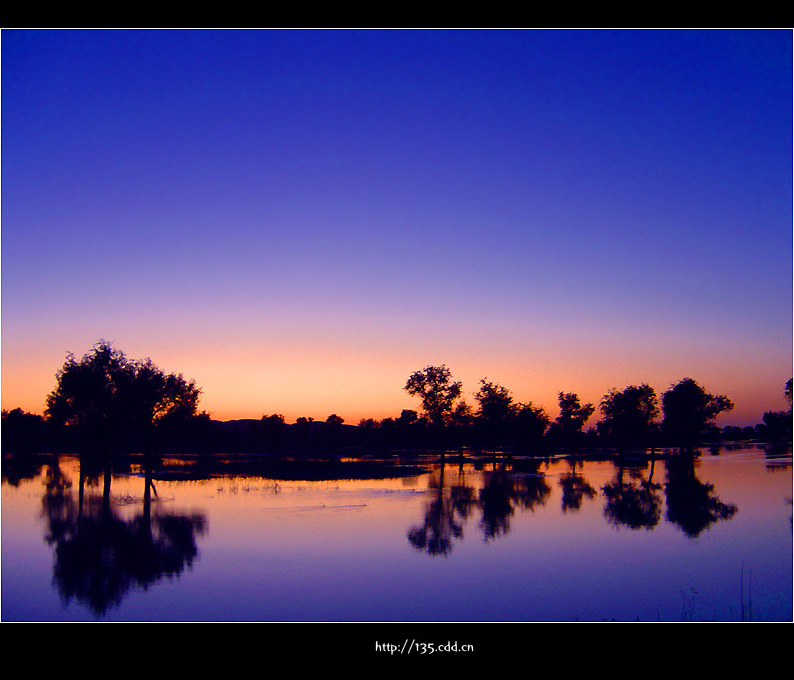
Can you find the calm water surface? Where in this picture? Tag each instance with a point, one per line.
(543, 541)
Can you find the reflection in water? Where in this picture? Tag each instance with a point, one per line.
(100, 555)
(436, 533)
(636, 503)
(501, 492)
(631, 500)
(496, 504)
(691, 504)
(464, 496)
(530, 490)
(574, 489)
(107, 546)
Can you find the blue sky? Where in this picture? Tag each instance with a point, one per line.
(299, 219)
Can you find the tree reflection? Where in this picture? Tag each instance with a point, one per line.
(633, 499)
(440, 527)
(530, 489)
(99, 554)
(496, 504)
(462, 495)
(574, 489)
(692, 504)
(502, 491)
(636, 503)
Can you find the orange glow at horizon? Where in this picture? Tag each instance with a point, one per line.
(314, 216)
(358, 383)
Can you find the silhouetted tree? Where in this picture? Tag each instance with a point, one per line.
(368, 433)
(439, 395)
(332, 432)
(438, 392)
(461, 422)
(777, 425)
(334, 420)
(496, 402)
(409, 429)
(688, 410)
(22, 432)
(86, 395)
(531, 423)
(567, 427)
(107, 397)
(628, 416)
(273, 428)
(303, 432)
(158, 401)
(495, 414)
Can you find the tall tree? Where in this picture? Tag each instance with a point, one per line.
(495, 414)
(688, 409)
(107, 397)
(573, 415)
(495, 402)
(628, 416)
(531, 423)
(438, 392)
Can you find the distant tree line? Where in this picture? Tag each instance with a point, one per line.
(107, 402)
(629, 417)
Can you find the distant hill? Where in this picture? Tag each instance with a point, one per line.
(247, 424)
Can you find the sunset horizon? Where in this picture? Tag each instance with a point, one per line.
(340, 397)
(298, 220)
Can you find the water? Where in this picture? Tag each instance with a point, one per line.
(476, 542)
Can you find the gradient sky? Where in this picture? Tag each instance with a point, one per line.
(300, 219)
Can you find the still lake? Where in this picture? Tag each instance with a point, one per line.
(470, 541)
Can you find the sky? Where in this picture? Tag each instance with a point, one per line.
(300, 219)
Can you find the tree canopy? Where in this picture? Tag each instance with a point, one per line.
(567, 427)
(628, 415)
(105, 394)
(688, 409)
(495, 403)
(496, 413)
(106, 399)
(438, 392)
